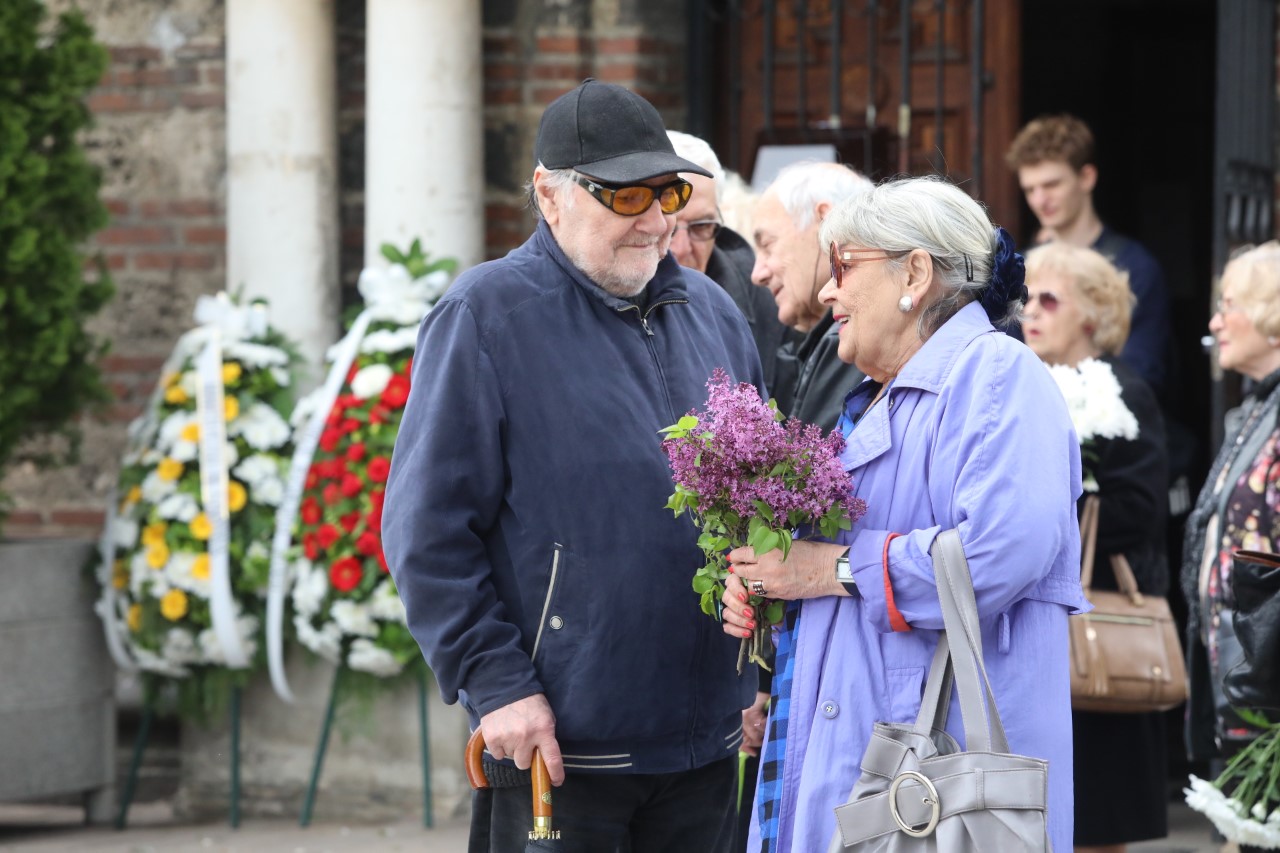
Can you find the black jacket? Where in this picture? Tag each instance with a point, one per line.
(730, 267)
(812, 380)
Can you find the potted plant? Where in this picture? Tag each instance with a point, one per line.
(56, 685)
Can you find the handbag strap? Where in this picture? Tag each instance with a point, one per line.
(959, 655)
(1125, 580)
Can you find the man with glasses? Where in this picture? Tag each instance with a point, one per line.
(525, 522)
(703, 242)
(791, 264)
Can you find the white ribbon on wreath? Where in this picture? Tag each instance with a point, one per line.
(390, 295)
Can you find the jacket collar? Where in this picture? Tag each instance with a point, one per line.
(929, 368)
(667, 283)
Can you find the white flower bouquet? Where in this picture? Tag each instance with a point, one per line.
(1250, 814)
(1097, 408)
(184, 570)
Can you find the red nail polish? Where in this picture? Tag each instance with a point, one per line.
(746, 612)
(746, 634)
(742, 596)
(751, 625)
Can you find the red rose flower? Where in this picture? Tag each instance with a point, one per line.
(349, 426)
(351, 486)
(345, 574)
(379, 468)
(369, 543)
(327, 535)
(329, 440)
(313, 478)
(382, 560)
(310, 511)
(332, 494)
(350, 521)
(310, 546)
(379, 414)
(351, 374)
(377, 497)
(396, 392)
(355, 452)
(334, 417)
(408, 366)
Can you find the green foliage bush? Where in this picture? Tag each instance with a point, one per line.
(49, 206)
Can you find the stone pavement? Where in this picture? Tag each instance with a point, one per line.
(45, 829)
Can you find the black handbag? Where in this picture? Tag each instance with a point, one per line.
(1254, 682)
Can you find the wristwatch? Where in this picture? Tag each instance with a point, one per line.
(844, 575)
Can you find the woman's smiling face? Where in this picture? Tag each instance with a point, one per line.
(875, 335)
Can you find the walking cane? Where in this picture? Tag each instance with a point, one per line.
(542, 838)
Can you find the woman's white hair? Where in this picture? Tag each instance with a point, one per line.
(802, 186)
(558, 181)
(700, 153)
(931, 214)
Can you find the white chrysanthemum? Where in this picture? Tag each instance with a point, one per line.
(261, 426)
(326, 642)
(388, 340)
(211, 646)
(152, 662)
(189, 382)
(369, 657)
(1228, 816)
(305, 408)
(178, 506)
(155, 489)
(370, 381)
(309, 589)
(1094, 401)
(255, 355)
(405, 313)
(256, 469)
(139, 573)
(230, 456)
(178, 572)
(125, 533)
(171, 429)
(353, 618)
(180, 647)
(184, 451)
(385, 603)
(281, 376)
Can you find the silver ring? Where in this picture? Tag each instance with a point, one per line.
(757, 588)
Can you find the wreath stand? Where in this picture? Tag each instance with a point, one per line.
(308, 804)
(140, 745)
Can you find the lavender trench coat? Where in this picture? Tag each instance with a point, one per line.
(975, 435)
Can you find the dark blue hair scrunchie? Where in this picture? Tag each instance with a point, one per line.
(1007, 278)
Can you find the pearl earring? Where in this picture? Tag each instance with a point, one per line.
(905, 304)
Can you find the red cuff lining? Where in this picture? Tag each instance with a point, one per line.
(896, 622)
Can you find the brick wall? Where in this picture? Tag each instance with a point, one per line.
(159, 138)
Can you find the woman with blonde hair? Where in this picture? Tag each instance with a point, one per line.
(1239, 506)
(1078, 308)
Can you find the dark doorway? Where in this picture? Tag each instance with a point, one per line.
(1141, 73)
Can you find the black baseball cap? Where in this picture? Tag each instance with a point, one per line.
(608, 133)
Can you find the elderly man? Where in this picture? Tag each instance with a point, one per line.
(525, 521)
(703, 242)
(811, 381)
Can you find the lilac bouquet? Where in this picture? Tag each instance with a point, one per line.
(748, 478)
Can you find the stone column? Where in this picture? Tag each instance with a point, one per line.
(282, 220)
(424, 149)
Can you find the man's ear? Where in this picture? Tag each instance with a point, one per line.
(1088, 177)
(545, 197)
(821, 209)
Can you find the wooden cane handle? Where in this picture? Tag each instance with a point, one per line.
(541, 787)
(472, 760)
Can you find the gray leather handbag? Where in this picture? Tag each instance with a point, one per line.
(918, 790)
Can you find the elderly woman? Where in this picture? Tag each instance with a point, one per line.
(1239, 506)
(1079, 308)
(939, 436)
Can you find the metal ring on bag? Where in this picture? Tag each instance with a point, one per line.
(931, 800)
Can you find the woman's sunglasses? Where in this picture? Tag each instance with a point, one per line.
(636, 199)
(1048, 300)
(839, 259)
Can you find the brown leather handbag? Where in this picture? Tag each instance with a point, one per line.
(1125, 653)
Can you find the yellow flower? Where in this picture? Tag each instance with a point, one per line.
(131, 497)
(171, 378)
(173, 606)
(153, 533)
(169, 469)
(119, 575)
(200, 568)
(157, 555)
(231, 408)
(134, 617)
(175, 395)
(190, 432)
(230, 373)
(201, 527)
(236, 496)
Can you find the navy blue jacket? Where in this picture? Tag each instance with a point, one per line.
(524, 521)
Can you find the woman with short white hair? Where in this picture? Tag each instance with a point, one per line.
(938, 437)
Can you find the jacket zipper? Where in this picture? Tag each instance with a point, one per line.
(653, 353)
(546, 604)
